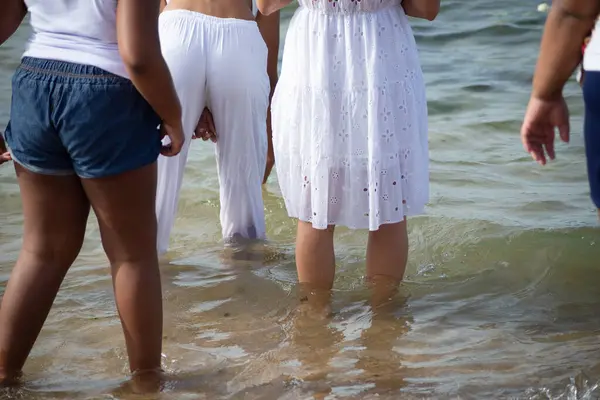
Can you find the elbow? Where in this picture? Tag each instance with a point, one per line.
(432, 12)
(137, 62)
(424, 10)
(268, 7)
(267, 10)
(136, 67)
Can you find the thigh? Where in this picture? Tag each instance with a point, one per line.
(55, 210)
(124, 205)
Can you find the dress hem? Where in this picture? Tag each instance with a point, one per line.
(360, 227)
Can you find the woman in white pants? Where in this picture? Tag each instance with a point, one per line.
(222, 57)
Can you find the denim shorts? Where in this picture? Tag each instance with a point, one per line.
(69, 119)
(591, 131)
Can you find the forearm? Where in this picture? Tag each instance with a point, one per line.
(568, 23)
(11, 17)
(139, 46)
(424, 9)
(268, 7)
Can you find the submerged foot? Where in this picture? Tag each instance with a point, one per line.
(148, 381)
(9, 379)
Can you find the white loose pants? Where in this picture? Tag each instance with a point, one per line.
(220, 63)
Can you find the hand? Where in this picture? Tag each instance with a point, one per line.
(4, 154)
(205, 129)
(176, 137)
(270, 163)
(270, 152)
(538, 130)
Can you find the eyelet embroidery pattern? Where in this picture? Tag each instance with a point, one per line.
(350, 136)
(348, 6)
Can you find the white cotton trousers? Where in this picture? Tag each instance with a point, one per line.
(220, 63)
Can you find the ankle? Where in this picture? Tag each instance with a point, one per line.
(147, 381)
(9, 378)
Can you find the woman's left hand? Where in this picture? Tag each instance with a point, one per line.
(4, 154)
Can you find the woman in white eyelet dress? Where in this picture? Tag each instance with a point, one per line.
(350, 129)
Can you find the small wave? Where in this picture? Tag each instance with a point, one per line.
(497, 30)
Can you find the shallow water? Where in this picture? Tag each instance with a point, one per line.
(501, 298)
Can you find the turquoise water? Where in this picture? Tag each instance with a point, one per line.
(501, 298)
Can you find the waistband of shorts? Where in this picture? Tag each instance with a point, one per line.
(67, 72)
(198, 17)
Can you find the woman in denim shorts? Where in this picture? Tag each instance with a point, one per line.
(87, 100)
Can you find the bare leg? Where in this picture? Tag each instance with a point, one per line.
(315, 257)
(387, 255)
(55, 210)
(124, 205)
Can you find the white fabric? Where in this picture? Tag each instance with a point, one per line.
(222, 64)
(350, 116)
(591, 56)
(254, 7)
(77, 31)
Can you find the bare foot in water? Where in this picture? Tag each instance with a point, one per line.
(8, 380)
(146, 382)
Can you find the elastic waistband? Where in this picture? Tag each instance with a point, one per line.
(62, 71)
(198, 17)
(355, 10)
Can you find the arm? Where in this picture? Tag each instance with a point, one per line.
(13, 12)
(269, 29)
(268, 7)
(569, 22)
(137, 30)
(424, 9)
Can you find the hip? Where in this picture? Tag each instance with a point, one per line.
(74, 118)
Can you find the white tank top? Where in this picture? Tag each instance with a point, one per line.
(591, 57)
(77, 31)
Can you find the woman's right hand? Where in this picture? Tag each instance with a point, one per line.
(542, 119)
(176, 139)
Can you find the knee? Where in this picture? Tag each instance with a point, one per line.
(52, 248)
(309, 228)
(130, 240)
(140, 253)
(390, 231)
